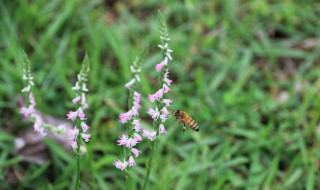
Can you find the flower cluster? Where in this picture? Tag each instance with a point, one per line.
(29, 110)
(132, 138)
(78, 116)
(161, 110)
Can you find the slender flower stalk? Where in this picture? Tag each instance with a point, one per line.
(79, 134)
(29, 110)
(160, 112)
(130, 118)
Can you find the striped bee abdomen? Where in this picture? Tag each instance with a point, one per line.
(193, 125)
(184, 118)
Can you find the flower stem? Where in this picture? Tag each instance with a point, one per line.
(78, 169)
(129, 180)
(146, 179)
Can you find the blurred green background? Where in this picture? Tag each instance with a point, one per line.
(246, 71)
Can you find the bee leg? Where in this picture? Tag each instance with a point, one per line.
(184, 128)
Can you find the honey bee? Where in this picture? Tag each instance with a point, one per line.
(185, 119)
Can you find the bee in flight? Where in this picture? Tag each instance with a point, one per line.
(185, 119)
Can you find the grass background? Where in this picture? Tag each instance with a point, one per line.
(246, 71)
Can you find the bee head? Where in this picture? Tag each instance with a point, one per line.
(176, 113)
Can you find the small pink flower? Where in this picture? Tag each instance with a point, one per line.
(84, 126)
(81, 115)
(131, 161)
(135, 151)
(137, 137)
(156, 96)
(86, 137)
(131, 142)
(153, 113)
(137, 97)
(76, 100)
(37, 123)
(136, 105)
(134, 111)
(151, 97)
(130, 83)
(120, 165)
(159, 66)
(72, 115)
(150, 135)
(124, 117)
(162, 130)
(166, 88)
(167, 102)
(137, 126)
(27, 111)
(123, 140)
(84, 101)
(74, 143)
(163, 117)
(166, 78)
(165, 111)
(72, 134)
(32, 100)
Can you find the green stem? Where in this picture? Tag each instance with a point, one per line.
(146, 179)
(129, 180)
(78, 169)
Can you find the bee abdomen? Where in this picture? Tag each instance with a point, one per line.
(194, 125)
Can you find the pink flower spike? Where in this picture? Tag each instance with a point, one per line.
(153, 113)
(137, 137)
(167, 102)
(162, 130)
(135, 151)
(124, 117)
(81, 115)
(123, 140)
(84, 126)
(120, 165)
(76, 100)
(131, 161)
(72, 115)
(130, 83)
(32, 100)
(86, 137)
(166, 88)
(72, 134)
